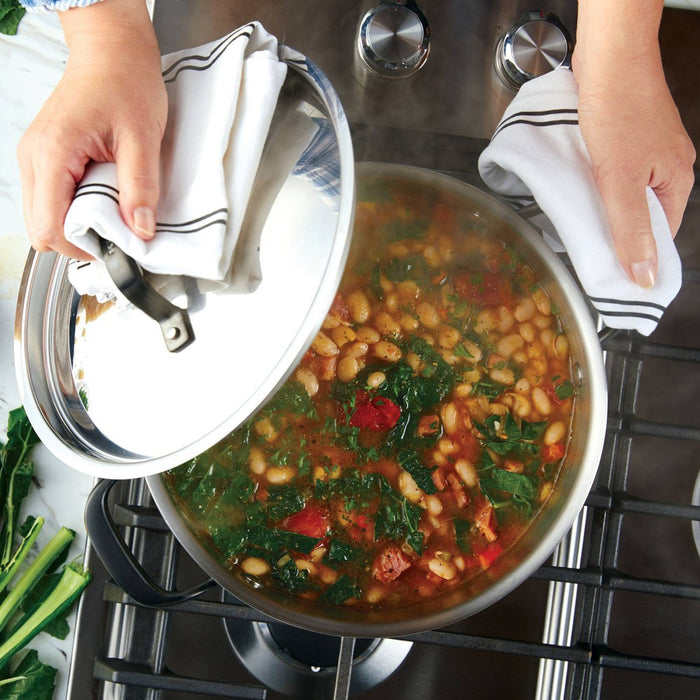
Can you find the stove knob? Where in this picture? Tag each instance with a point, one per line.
(394, 39)
(536, 44)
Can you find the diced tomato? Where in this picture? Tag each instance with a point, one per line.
(485, 519)
(374, 413)
(481, 287)
(311, 520)
(360, 527)
(553, 453)
(390, 564)
(490, 554)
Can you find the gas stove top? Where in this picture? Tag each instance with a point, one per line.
(615, 614)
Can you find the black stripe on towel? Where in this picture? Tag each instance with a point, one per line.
(223, 210)
(620, 302)
(183, 232)
(212, 58)
(103, 194)
(617, 314)
(538, 113)
(529, 122)
(80, 188)
(161, 227)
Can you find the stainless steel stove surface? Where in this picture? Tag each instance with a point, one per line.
(617, 613)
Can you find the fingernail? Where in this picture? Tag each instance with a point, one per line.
(644, 273)
(145, 221)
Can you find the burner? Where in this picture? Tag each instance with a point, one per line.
(303, 664)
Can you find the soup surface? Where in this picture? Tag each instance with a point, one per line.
(421, 433)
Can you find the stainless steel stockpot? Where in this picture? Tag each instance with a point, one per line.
(519, 562)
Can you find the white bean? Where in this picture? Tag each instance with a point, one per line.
(280, 475)
(342, 335)
(408, 487)
(554, 433)
(502, 376)
(376, 379)
(255, 566)
(323, 345)
(427, 315)
(358, 305)
(306, 377)
(509, 344)
(525, 310)
(541, 401)
(256, 461)
(442, 568)
(449, 415)
(348, 367)
(386, 350)
(433, 504)
(386, 325)
(466, 472)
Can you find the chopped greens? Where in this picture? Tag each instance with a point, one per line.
(564, 390)
(342, 552)
(505, 436)
(519, 484)
(340, 591)
(410, 461)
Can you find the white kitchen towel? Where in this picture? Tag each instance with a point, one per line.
(537, 152)
(221, 98)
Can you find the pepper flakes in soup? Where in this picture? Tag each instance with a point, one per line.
(421, 433)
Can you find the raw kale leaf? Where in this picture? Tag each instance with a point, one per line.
(11, 13)
(16, 471)
(35, 680)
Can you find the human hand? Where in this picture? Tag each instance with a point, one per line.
(633, 133)
(110, 105)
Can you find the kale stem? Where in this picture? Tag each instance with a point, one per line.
(34, 572)
(8, 570)
(70, 585)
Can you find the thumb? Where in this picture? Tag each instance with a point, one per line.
(139, 183)
(630, 227)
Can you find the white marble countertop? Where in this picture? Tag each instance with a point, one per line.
(31, 64)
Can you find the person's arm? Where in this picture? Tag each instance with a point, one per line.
(110, 105)
(630, 125)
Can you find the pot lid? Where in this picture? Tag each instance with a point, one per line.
(100, 386)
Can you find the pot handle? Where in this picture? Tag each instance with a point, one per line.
(118, 559)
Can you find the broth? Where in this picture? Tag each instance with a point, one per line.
(421, 433)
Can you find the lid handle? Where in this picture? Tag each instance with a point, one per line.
(128, 277)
